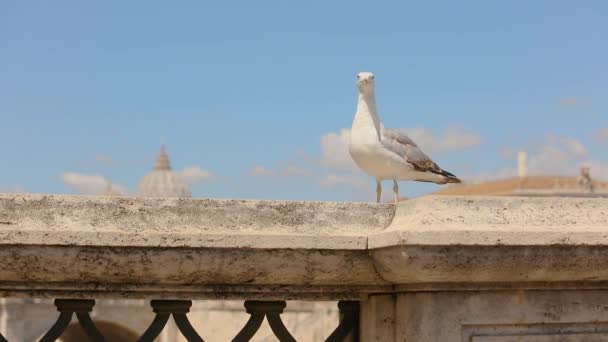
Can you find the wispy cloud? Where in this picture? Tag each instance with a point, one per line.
(14, 189)
(195, 174)
(295, 171)
(91, 184)
(507, 153)
(104, 159)
(569, 101)
(334, 150)
(333, 180)
(289, 170)
(261, 171)
(558, 155)
(490, 175)
(338, 167)
(555, 155)
(602, 135)
(453, 138)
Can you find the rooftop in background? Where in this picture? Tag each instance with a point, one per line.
(564, 186)
(538, 186)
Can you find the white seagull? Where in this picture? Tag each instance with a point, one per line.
(386, 153)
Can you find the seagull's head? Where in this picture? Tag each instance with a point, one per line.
(365, 81)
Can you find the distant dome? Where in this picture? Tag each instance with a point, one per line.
(162, 182)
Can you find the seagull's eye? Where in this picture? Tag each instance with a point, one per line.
(372, 77)
(358, 76)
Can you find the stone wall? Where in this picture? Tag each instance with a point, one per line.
(431, 269)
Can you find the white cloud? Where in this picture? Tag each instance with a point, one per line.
(194, 174)
(487, 176)
(602, 135)
(507, 153)
(13, 189)
(333, 180)
(454, 137)
(261, 171)
(554, 156)
(293, 170)
(558, 155)
(569, 101)
(334, 151)
(336, 157)
(290, 170)
(90, 184)
(104, 159)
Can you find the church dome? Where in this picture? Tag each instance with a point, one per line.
(162, 181)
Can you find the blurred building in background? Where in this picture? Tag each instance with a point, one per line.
(582, 185)
(162, 181)
(125, 320)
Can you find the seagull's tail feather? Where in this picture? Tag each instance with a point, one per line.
(450, 177)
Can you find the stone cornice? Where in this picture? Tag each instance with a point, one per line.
(200, 248)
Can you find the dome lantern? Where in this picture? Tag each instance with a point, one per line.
(162, 181)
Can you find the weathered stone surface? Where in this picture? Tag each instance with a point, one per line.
(487, 316)
(186, 266)
(496, 221)
(442, 269)
(62, 243)
(378, 318)
(157, 245)
(476, 264)
(121, 222)
(448, 239)
(501, 316)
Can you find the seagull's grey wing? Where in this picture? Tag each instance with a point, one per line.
(401, 144)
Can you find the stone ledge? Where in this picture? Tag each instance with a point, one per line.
(165, 244)
(496, 221)
(473, 264)
(189, 216)
(203, 266)
(156, 239)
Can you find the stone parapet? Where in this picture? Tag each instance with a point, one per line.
(448, 239)
(112, 247)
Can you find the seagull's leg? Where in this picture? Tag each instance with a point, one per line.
(378, 189)
(396, 190)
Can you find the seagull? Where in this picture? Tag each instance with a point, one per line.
(386, 153)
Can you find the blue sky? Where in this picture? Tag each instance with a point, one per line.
(245, 92)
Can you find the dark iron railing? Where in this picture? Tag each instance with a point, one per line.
(178, 309)
(67, 308)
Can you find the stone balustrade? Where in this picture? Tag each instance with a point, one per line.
(431, 269)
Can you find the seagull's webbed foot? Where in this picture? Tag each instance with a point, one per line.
(396, 190)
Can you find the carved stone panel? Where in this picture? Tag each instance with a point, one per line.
(568, 332)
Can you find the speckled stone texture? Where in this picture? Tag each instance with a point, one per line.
(202, 248)
(80, 246)
(475, 269)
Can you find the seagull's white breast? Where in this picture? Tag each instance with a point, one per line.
(372, 157)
